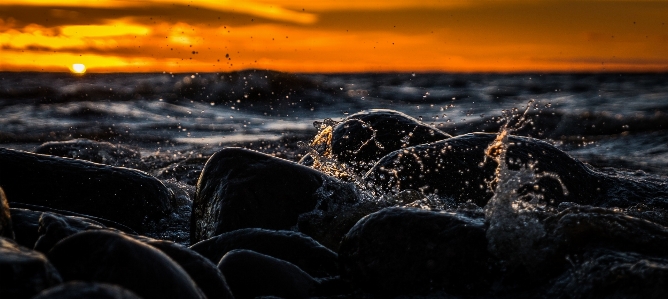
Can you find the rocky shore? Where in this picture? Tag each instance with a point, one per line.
(379, 205)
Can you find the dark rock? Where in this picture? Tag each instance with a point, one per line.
(79, 289)
(24, 272)
(407, 251)
(127, 196)
(186, 171)
(368, 136)
(204, 272)
(6, 229)
(293, 247)
(458, 168)
(109, 257)
(251, 274)
(240, 188)
(53, 228)
(611, 274)
(90, 150)
(26, 226)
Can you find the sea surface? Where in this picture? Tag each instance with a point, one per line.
(607, 120)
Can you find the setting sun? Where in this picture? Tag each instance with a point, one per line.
(78, 68)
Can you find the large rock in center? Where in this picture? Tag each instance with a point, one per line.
(239, 188)
(124, 195)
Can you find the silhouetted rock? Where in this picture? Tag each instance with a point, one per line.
(6, 229)
(240, 188)
(53, 228)
(80, 290)
(458, 168)
(407, 251)
(109, 257)
(90, 150)
(127, 196)
(205, 273)
(294, 247)
(611, 274)
(26, 226)
(367, 136)
(251, 274)
(24, 272)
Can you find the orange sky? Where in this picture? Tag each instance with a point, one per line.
(334, 36)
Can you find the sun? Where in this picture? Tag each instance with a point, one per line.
(78, 68)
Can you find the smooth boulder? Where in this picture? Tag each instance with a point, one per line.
(79, 289)
(110, 257)
(127, 196)
(24, 272)
(411, 251)
(294, 247)
(240, 188)
(90, 150)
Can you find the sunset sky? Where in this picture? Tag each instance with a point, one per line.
(334, 36)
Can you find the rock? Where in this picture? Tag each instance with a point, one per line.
(127, 196)
(109, 257)
(240, 188)
(611, 274)
(251, 274)
(79, 289)
(458, 168)
(186, 171)
(294, 247)
(90, 150)
(6, 229)
(24, 272)
(202, 271)
(26, 226)
(369, 135)
(410, 251)
(53, 228)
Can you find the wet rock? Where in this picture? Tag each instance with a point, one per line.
(91, 150)
(109, 257)
(79, 289)
(294, 247)
(369, 135)
(202, 271)
(127, 196)
(611, 274)
(26, 226)
(251, 274)
(458, 168)
(53, 228)
(6, 229)
(24, 272)
(408, 251)
(240, 188)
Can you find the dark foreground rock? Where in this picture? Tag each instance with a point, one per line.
(251, 274)
(78, 290)
(458, 168)
(127, 196)
(202, 271)
(91, 150)
(294, 247)
(24, 272)
(410, 251)
(53, 228)
(240, 188)
(26, 226)
(110, 257)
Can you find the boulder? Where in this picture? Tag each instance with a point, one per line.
(458, 168)
(24, 272)
(53, 228)
(124, 195)
(251, 274)
(240, 188)
(294, 247)
(91, 150)
(79, 289)
(109, 257)
(26, 226)
(410, 251)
